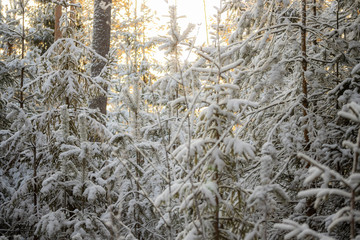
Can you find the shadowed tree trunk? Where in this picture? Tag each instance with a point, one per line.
(304, 68)
(22, 73)
(101, 44)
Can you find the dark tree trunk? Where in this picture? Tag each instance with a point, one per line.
(304, 68)
(101, 44)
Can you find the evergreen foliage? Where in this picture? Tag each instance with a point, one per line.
(258, 137)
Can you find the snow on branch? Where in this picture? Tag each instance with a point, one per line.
(351, 111)
(299, 231)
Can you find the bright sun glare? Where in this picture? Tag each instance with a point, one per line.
(192, 10)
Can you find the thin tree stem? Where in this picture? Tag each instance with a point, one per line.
(352, 215)
(22, 74)
(304, 69)
(206, 24)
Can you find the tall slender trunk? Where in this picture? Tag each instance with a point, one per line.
(137, 92)
(217, 177)
(337, 27)
(83, 177)
(35, 183)
(35, 164)
(101, 45)
(352, 214)
(314, 15)
(57, 31)
(304, 69)
(206, 24)
(22, 73)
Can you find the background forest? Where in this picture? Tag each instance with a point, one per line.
(114, 133)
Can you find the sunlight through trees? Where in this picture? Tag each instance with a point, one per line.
(116, 123)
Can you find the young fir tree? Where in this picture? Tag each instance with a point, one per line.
(43, 24)
(204, 177)
(276, 76)
(80, 143)
(277, 54)
(21, 144)
(137, 147)
(335, 186)
(61, 145)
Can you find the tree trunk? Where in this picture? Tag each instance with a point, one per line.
(337, 28)
(101, 44)
(57, 31)
(206, 23)
(22, 73)
(314, 15)
(304, 68)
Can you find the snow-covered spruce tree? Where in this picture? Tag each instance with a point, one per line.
(263, 199)
(341, 222)
(74, 191)
(138, 132)
(24, 149)
(268, 60)
(41, 18)
(6, 82)
(336, 209)
(14, 40)
(339, 56)
(326, 57)
(21, 144)
(8, 23)
(66, 142)
(209, 159)
(13, 133)
(174, 84)
(247, 63)
(266, 45)
(176, 91)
